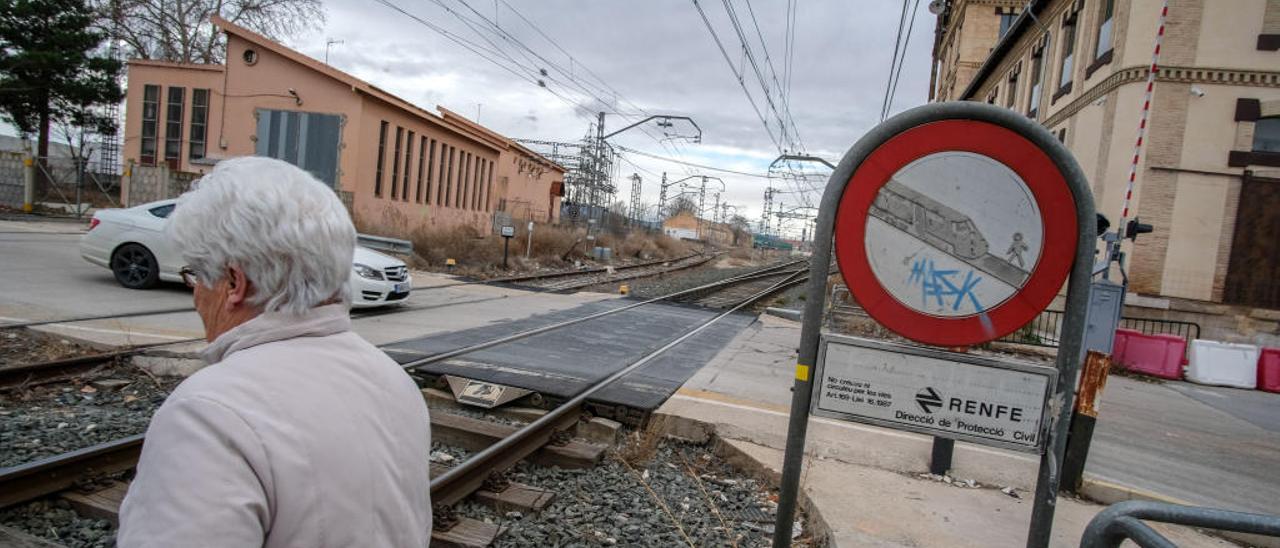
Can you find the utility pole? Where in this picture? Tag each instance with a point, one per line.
(715, 211)
(768, 210)
(702, 204)
(662, 198)
(599, 180)
(635, 198)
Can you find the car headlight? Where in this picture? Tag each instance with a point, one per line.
(367, 272)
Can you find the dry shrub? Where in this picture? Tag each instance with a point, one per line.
(639, 447)
(464, 244)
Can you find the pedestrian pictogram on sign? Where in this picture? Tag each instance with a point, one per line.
(956, 232)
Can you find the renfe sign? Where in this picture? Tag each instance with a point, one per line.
(966, 397)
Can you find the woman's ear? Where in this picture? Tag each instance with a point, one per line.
(237, 287)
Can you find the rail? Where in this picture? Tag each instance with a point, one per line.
(414, 364)
(1124, 521)
(49, 475)
(461, 480)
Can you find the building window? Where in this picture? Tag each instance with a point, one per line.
(431, 168)
(442, 177)
(1106, 24)
(308, 140)
(408, 166)
(1068, 50)
(459, 198)
(199, 123)
(1037, 78)
(173, 126)
(1266, 134)
(422, 164)
(1007, 17)
(395, 164)
(1011, 97)
(480, 196)
(489, 187)
(382, 154)
(448, 186)
(150, 123)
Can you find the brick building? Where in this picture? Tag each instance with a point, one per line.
(1209, 177)
(397, 166)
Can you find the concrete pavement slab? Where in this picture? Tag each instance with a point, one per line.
(1172, 439)
(866, 506)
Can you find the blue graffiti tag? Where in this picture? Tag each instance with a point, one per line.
(940, 285)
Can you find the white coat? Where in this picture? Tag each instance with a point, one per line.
(299, 433)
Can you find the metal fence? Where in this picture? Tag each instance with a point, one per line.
(12, 179)
(68, 185)
(1046, 329)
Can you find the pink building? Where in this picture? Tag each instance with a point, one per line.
(398, 167)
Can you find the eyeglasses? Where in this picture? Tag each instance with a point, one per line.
(188, 276)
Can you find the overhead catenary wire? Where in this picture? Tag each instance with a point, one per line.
(902, 61)
(893, 63)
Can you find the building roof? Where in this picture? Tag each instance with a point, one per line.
(356, 84)
(171, 64)
(1004, 45)
(469, 125)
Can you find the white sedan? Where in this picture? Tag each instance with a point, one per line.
(132, 243)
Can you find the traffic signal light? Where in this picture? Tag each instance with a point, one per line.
(1134, 228)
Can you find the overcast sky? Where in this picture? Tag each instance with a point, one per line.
(658, 57)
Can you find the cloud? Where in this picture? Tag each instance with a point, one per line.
(634, 56)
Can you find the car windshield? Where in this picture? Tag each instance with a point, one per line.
(162, 211)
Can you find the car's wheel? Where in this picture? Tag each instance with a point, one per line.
(135, 267)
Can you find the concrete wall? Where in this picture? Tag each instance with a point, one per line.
(166, 75)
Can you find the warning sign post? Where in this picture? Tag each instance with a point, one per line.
(953, 224)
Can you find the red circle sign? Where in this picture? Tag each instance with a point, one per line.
(956, 232)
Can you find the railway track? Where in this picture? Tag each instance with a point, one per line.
(549, 434)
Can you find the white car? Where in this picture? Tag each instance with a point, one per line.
(132, 243)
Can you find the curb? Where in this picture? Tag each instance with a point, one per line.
(1106, 492)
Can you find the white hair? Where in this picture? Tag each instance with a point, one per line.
(284, 229)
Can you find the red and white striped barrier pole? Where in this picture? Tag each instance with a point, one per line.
(1142, 131)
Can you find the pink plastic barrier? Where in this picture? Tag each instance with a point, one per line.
(1122, 343)
(1155, 355)
(1269, 370)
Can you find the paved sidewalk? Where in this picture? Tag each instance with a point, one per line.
(888, 504)
(865, 480)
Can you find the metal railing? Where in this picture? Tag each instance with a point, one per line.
(1124, 521)
(1044, 330)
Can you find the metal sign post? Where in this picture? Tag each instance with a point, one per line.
(953, 224)
(507, 233)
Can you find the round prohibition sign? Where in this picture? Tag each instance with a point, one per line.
(956, 232)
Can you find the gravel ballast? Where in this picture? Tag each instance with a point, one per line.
(649, 288)
(24, 346)
(44, 421)
(54, 520)
(683, 495)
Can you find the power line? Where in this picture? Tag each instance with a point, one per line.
(736, 74)
(897, 43)
(691, 164)
(906, 42)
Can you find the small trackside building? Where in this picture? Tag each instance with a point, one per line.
(397, 167)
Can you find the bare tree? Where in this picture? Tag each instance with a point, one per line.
(681, 204)
(180, 31)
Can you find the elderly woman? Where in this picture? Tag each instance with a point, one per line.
(298, 433)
